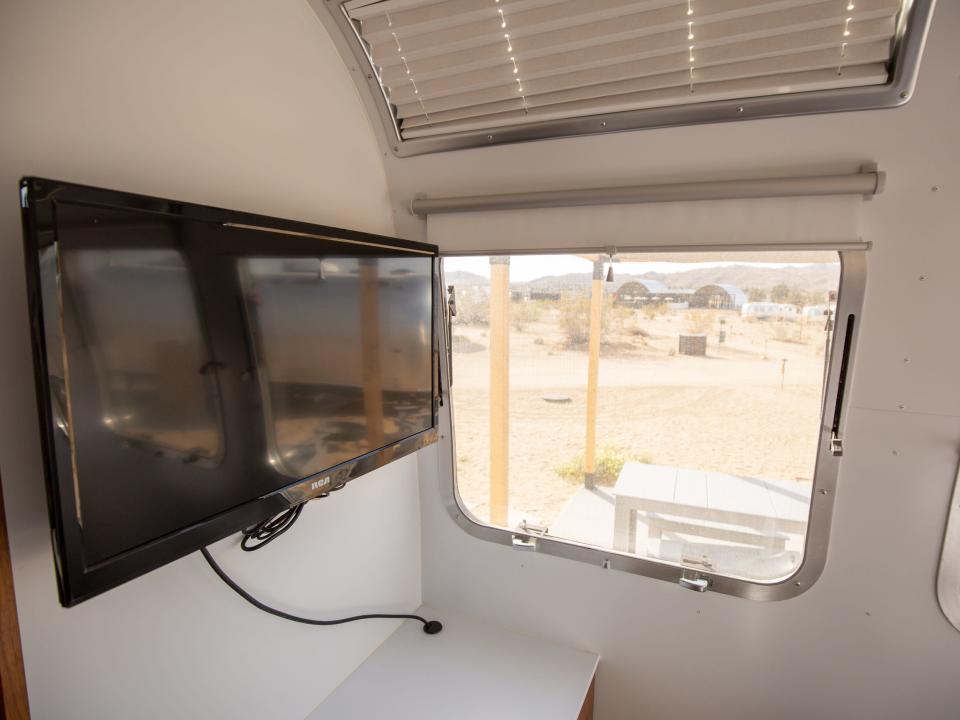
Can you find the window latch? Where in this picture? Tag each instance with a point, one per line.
(529, 540)
(836, 444)
(451, 314)
(524, 542)
(452, 300)
(528, 527)
(694, 582)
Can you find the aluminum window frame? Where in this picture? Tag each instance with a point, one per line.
(905, 64)
(851, 291)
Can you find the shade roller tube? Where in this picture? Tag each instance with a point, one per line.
(865, 183)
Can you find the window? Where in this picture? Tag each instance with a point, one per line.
(675, 409)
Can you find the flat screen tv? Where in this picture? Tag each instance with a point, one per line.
(200, 369)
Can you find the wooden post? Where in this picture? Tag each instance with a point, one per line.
(370, 351)
(499, 388)
(593, 372)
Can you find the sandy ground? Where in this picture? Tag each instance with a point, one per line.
(725, 412)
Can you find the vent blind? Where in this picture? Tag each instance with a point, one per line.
(465, 65)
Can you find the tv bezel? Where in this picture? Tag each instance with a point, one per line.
(78, 581)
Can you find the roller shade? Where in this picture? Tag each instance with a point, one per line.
(782, 222)
(466, 65)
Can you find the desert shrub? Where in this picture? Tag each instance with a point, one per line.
(610, 460)
(787, 331)
(637, 335)
(525, 312)
(756, 294)
(651, 310)
(472, 309)
(780, 293)
(616, 315)
(799, 298)
(699, 321)
(575, 320)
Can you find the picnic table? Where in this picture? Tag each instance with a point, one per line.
(732, 508)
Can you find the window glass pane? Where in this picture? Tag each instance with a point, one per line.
(341, 375)
(667, 408)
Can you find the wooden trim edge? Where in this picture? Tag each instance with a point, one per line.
(13, 682)
(586, 710)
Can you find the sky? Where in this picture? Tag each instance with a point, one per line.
(530, 267)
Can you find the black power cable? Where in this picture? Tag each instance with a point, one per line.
(273, 527)
(430, 627)
(269, 530)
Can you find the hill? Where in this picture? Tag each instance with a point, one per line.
(808, 277)
(818, 278)
(462, 278)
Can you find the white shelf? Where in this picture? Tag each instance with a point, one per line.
(469, 671)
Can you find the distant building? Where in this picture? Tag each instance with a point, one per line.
(718, 297)
(764, 310)
(812, 312)
(530, 294)
(642, 292)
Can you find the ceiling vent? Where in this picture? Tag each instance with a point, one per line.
(461, 73)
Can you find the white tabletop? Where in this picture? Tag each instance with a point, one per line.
(665, 489)
(468, 671)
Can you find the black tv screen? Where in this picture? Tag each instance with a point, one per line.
(200, 369)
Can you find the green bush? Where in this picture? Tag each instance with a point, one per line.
(610, 460)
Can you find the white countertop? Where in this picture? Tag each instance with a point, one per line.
(468, 671)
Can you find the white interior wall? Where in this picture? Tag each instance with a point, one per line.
(240, 104)
(868, 639)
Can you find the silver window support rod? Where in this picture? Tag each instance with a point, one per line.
(867, 182)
